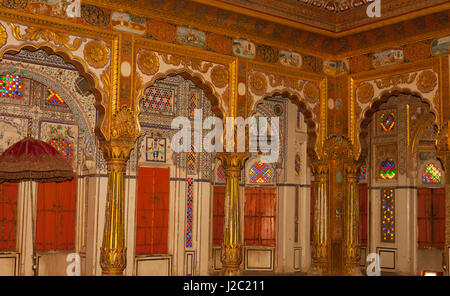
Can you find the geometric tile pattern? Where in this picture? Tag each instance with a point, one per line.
(158, 100)
(387, 169)
(191, 159)
(189, 216)
(260, 173)
(63, 146)
(387, 121)
(11, 86)
(431, 174)
(221, 173)
(297, 164)
(53, 98)
(192, 104)
(363, 172)
(387, 215)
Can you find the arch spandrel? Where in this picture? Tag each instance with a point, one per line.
(309, 94)
(368, 93)
(91, 57)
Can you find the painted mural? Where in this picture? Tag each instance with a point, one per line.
(387, 57)
(441, 46)
(335, 67)
(128, 23)
(291, 59)
(155, 149)
(244, 48)
(188, 36)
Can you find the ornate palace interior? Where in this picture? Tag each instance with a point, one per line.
(363, 106)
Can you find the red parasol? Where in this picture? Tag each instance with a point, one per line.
(33, 160)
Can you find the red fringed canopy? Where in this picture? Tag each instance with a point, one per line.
(34, 160)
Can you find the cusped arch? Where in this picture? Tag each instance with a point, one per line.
(198, 80)
(82, 68)
(365, 119)
(310, 117)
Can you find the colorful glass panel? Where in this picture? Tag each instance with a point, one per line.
(260, 173)
(431, 174)
(189, 205)
(158, 100)
(363, 172)
(11, 86)
(387, 215)
(63, 146)
(387, 121)
(53, 98)
(221, 173)
(297, 164)
(191, 161)
(387, 169)
(192, 104)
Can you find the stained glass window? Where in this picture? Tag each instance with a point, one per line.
(297, 164)
(63, 146)
(387, 169)
(158, 100)
(363, 172)
(53, 98)
(387, 215)
(260, 173)
(221, 174)
(387, 121)
(11, 86)
(192, 104)
(431, 174)
(189, 205)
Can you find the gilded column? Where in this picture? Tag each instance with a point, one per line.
(116, 151)
(351, 223)
(319, 250)
(232, 241)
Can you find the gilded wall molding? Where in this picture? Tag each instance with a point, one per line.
(420, 78)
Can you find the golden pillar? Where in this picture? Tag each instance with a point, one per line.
(116, 151)
(351, 223)
(232, 241)
(320, 244)
(443, 149)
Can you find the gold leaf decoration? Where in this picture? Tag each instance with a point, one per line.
(96, 54)
(148, 62)
(219, 76)
(365, 93)
(59, 38)
(311, 93)
(3, 35)
(395, 80)
(258, 84)
(427, 81)
(187, 62)
(124, 125)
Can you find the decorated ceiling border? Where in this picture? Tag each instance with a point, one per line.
(265, 81)
(423, 78)
(93, 52)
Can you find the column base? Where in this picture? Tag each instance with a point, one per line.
(113, 261)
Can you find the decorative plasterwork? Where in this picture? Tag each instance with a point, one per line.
(420, 79)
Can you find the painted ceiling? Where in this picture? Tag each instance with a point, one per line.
(330, 15)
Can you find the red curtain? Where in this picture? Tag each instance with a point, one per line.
(431, 217)
(55, 221)
(152, 214)
(363, 210)
(218, 214)
(8, 216)
(259, 216)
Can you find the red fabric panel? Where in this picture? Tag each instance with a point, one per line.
(218, 214)
(55, 221)
(152, 213)
(8, 216)
(363, 210)
(259, 216)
